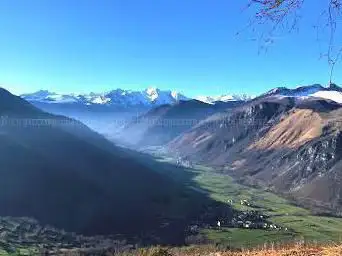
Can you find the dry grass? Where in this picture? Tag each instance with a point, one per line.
(210, 251)
(293, 131)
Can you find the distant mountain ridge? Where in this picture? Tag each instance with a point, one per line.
(162, 124)
(332, 92)
(152, 96)
(223, 98)
(149, 97)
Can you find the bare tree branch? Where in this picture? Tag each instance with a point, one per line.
(285, 14)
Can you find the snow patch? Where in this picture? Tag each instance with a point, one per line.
(223, 98)
(329, 95)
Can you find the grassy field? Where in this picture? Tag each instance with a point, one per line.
(296, 250)
(301, 225)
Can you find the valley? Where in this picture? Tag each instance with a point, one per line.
(287, 223)
(239, 174)
(296, 223)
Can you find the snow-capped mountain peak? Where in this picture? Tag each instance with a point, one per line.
(329, 95)
(152, 90)
(174, 94)
(152, 93)
(149, 97)
(331, 92)
(222, 98)
(49, 97)
(41, 94)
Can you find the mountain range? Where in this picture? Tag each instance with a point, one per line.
(152, 96)
(124, 98)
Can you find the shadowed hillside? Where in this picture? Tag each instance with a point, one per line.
(61, 173)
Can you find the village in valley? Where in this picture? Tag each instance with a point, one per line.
(247, 218)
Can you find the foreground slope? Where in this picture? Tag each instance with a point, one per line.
(292, 146)
(61, 173)
(295, 250)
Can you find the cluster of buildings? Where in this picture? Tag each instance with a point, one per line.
(249, 219)
(183, 162)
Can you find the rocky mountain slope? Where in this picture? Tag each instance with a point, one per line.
(288, 144)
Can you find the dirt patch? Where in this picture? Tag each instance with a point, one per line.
(292, 131)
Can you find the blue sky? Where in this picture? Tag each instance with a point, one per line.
(185, 45)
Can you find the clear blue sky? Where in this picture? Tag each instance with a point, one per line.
(184, 45)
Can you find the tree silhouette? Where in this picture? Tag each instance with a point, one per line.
(285, 14)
